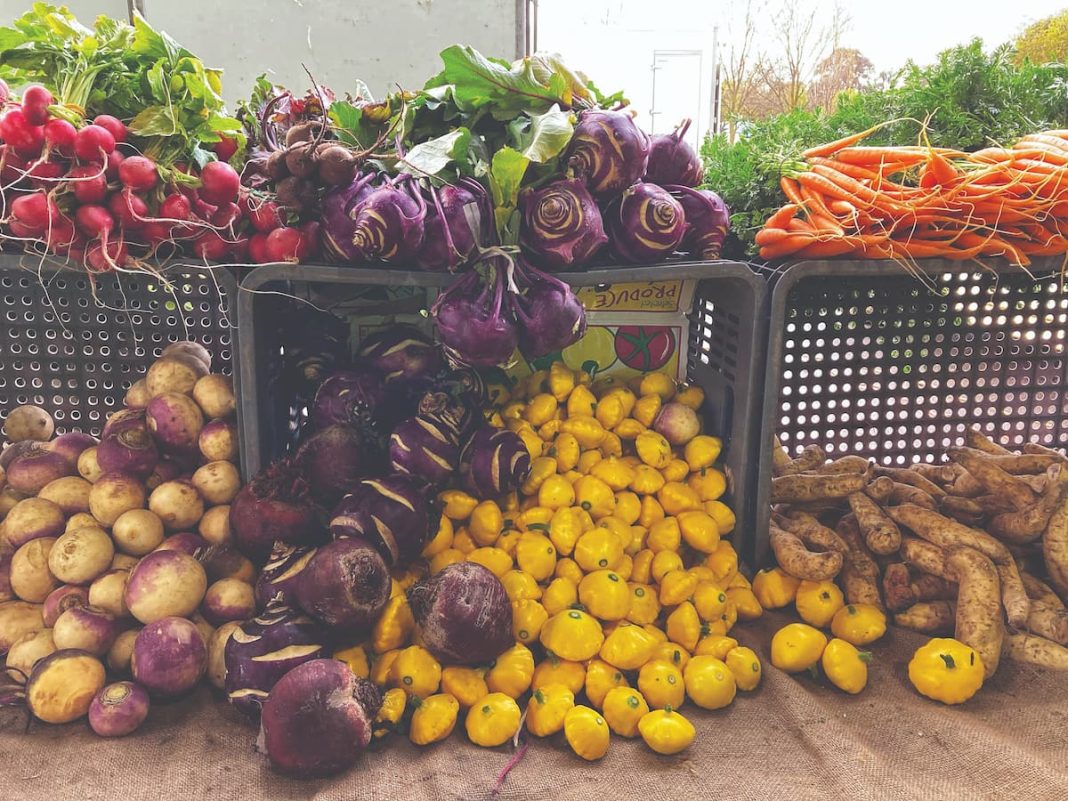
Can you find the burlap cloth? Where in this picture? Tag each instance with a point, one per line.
(795, 738)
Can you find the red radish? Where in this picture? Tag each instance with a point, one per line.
(100, 262)
(89, 183)
(23, 231)
(129, 209)
(138, 173)
(257, 249)
(239, 250)
(287, 244)
(225, 215)
(210, 246)
(5, 92)
(35, 102)
(113, 125)
(219, 182)
(93, 143)
(61, 236)
(94, 221)
(155, 232)
(13, 165)
(17, 131)
(176, 207)
(225, 148)
(114, 161)
(265, 216)
(44, 174)
(203, 210)
(35, 210)
(59, 135)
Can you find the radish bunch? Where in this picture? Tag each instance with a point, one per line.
(80, 189)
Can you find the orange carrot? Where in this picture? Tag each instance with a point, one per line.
(782, 216)
(789, 188)
(832, 147)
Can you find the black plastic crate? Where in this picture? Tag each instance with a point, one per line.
(76, 354)
(866, 358)
(725, 353)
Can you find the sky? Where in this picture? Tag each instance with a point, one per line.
(660, 52)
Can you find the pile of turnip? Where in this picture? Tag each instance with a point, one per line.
(116, 562)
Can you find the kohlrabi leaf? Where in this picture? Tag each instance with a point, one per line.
(433, 156)
(505, 177)
(506, 90)
(543, 137)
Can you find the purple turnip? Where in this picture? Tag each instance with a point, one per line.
(277, 581)
(183, 542)
(118, 709)
(60, 600)
(677, 423)
(169, 656)
(262, 650)
(130, 451)
(218, 440)
(390, 512)
(608, 150)
(474, 323)
(672, 160)
(561, 225)
(346, 585)
(32, 471)
(175, 421)
(463, 613)
(86, 628)
(494, 462)
(228, 599)
(125, 420)
(318, 718)
(71, 445)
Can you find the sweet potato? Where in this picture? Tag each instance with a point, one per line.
(963, 510)
(1036, 483)
(780, 459)
(1025, 464)
(813, 533)
(846, 464)
(802, 488)
(1027, 525)
(974, 438)
(860, 574)
(928, 617)
(906, 493)
(992, 504)
(897, 587)
(965, 485)
(880, 532)
(913, 476)
(1049, 622)
(938, 474)
(798, 561)
(811, 457)
(880, 489)
(1038, 590)
(1034, 447)
(929, 587)
(1033, 650)
(1055, 548)
(924, 556)
(979, 620)
(946, 533)
(993, 478)
(1013, 595)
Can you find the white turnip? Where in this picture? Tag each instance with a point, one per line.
(32, 518)
(86, 628)
(63, 685)
(70, 494)
(107, 592)
(122, 650)
(215, 395)
(678, 424)
(165, 584)
(137, 532)
(25, 653)
(137, 396)
(226, 600)
(214, 526)
(115, 493)
(177, 504)
(31, 579)
(29, 423)
(88, 466)
(218, 441)
(81, 555)
(173, 374)
(217, 482)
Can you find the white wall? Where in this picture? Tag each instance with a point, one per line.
(384, 43)
(613, 41)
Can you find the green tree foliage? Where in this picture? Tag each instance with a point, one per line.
(969, 98)
(1045, 40)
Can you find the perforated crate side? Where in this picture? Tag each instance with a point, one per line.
(725, 355)
(866, 359)
(76, 356)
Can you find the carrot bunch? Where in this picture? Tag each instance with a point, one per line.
(915, 202)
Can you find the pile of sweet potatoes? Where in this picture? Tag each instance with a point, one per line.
(976, 547)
